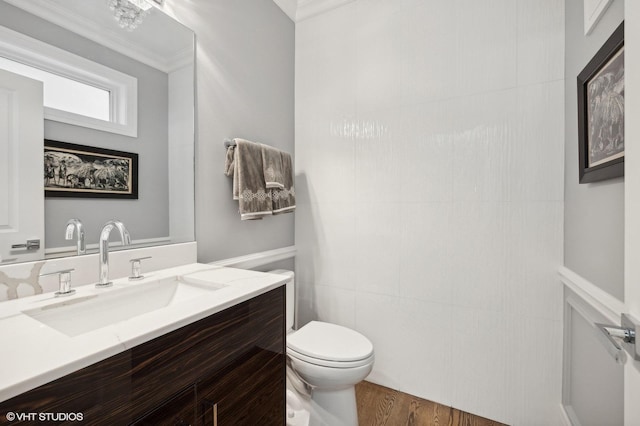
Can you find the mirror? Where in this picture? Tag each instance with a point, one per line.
(160, 54)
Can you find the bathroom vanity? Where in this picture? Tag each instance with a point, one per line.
(208, 357)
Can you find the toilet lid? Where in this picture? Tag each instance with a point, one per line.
(330, 342)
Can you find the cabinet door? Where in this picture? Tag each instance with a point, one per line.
(178, 411)
(249, 392)
(101, 393)
(202, 349)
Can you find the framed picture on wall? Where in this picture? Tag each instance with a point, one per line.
(601, 112)
(72, 170)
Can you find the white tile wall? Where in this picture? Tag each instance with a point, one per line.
(540, 28)
(426, 269)
(412, 341)
(480, 350)
(429, 163)
(486, 38)
(335, 305)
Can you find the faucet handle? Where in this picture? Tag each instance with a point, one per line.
(64, 281)
(136, 268)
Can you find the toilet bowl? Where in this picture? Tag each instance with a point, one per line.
(330, 360)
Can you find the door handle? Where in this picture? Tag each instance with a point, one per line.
(207, 404)
(606, 337)
(29, 245)
(616, 339)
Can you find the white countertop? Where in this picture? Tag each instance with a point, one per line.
(33, 353)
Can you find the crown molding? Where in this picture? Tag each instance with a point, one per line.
(108, 38)
(299, 10)
(310, 8)
(289, 7)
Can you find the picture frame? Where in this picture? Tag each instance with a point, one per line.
(80, 171)
(601, 112)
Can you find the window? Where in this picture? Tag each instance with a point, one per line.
(65, 94)
(76, 90)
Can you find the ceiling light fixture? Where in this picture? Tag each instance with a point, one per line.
(129, 13)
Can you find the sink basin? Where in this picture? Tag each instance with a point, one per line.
(82, 314)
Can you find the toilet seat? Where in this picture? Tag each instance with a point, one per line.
(330, 345)
(327, 363)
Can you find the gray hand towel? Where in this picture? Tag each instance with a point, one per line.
(284, 200)
(253, 196)
(272, 166)
(229, 161)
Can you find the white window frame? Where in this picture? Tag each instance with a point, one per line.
(122, 87)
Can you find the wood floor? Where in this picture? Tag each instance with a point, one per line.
(378, 406)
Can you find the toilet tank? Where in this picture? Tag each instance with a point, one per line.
(291, 296)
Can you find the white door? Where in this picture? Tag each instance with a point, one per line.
(632, 200)
(21, 169)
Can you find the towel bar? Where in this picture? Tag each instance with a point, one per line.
(229, 142)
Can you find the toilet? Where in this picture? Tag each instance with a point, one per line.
(329, 359)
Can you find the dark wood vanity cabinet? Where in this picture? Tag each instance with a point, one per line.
(226, 369)
(256, 382)
(178, 411)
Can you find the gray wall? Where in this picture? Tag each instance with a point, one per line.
(245, 65)
(147, 217)
(594, 213)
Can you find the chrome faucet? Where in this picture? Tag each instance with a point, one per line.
(104, 249)
(76, 224)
